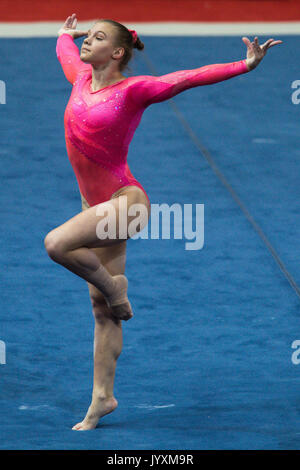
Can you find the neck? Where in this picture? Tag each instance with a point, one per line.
(102, 77)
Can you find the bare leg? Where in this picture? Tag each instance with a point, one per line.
(107, 342)
(76, 245)
(70, 245)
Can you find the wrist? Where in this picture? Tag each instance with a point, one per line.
(252, 64)
(60, 33)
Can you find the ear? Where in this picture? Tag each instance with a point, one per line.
(118, 53)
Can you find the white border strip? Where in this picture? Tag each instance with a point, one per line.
(50, 28)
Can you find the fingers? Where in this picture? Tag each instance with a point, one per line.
(253, 44)
(246, 41)
(270, 43)
(266, 44)
(274, 43)
(69, 23)
(256, 43)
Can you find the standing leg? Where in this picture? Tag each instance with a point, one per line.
(107, 341)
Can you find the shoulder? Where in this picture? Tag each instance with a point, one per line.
(141, 88)
(140, 83)
(85, 69)
(139, 79)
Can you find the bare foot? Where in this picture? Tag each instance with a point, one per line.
(98, 408)
(118, 301)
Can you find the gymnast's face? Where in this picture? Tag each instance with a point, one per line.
(98, 47)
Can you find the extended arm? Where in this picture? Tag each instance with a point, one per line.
(149, 89)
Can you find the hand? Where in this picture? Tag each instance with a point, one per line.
(69, 27)
(255, 52)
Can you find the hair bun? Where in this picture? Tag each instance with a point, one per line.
(138, 44)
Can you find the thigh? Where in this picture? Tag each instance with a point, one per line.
(113, 258)
(85, 228)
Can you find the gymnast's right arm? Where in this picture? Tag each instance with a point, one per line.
(67, 52)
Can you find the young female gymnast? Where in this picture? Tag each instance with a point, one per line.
(101, 117)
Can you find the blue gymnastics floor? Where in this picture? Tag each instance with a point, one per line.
(206, 362)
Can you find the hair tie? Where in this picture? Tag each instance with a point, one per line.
(134, 34)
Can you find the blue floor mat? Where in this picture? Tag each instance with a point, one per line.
(206, 362)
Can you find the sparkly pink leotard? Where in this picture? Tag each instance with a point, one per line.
(99, 125)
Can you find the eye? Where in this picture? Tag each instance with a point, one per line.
(100, 39)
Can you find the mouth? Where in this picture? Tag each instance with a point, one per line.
(85, 49)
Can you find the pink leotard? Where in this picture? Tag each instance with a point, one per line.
(99, 125)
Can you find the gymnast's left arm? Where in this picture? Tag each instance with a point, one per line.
(149, 89)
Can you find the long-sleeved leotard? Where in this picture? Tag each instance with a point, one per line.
(99, 125)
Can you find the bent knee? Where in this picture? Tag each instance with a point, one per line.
(54, 246)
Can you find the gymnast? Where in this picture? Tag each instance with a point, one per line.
(103, 112)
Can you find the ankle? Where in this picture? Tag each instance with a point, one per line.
(119, 295)
(101, 395)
